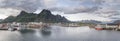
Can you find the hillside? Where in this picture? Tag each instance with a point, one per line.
(44, 16)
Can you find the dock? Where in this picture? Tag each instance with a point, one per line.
(109, 26)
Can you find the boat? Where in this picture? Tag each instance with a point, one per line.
(4, 27)
(13, 27)
(16, 27)
(98, 27)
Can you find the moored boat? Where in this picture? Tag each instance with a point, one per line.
(98, 27)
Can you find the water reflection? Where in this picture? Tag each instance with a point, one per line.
(46, 31)
(60, 34)
(26, 31)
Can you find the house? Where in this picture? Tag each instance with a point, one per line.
(111, 25)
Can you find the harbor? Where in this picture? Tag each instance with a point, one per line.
(33, 25)
(38, 31)
(21, 26)
(59, 20)
(58, 33)
(109, 26)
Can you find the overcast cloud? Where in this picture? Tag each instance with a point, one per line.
(107, 9)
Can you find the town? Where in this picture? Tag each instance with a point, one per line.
(33, 25)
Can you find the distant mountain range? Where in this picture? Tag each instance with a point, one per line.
(91, 21)
(44, 16)
(116, 22)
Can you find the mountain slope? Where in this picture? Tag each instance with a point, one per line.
(46, 16)
(9, 19)
(43, 16)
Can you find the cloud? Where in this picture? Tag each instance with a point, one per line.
(5, 12)
(49, 3)
(77, 6)
(101, 8)
(9, 11)
(109, 8)
(27, 5)
(85, 16)
(66, 6)
(74, 10)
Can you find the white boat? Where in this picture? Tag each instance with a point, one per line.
(14, 26)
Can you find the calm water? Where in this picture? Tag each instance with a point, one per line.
(57, 33)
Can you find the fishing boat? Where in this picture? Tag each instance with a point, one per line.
(13, 27)
(98, 27)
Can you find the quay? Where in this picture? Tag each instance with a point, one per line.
(20, 26)
(109, 26)
(33, 25)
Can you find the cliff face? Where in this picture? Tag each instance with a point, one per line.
(43, 16)
(25, 17)
(46, 16)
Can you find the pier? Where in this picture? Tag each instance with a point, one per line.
(109, 26)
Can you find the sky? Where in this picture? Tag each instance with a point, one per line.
(74, 10)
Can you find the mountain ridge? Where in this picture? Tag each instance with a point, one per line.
(44, 16)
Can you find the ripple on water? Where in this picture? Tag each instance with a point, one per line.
(10, 36)
(58, 33)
